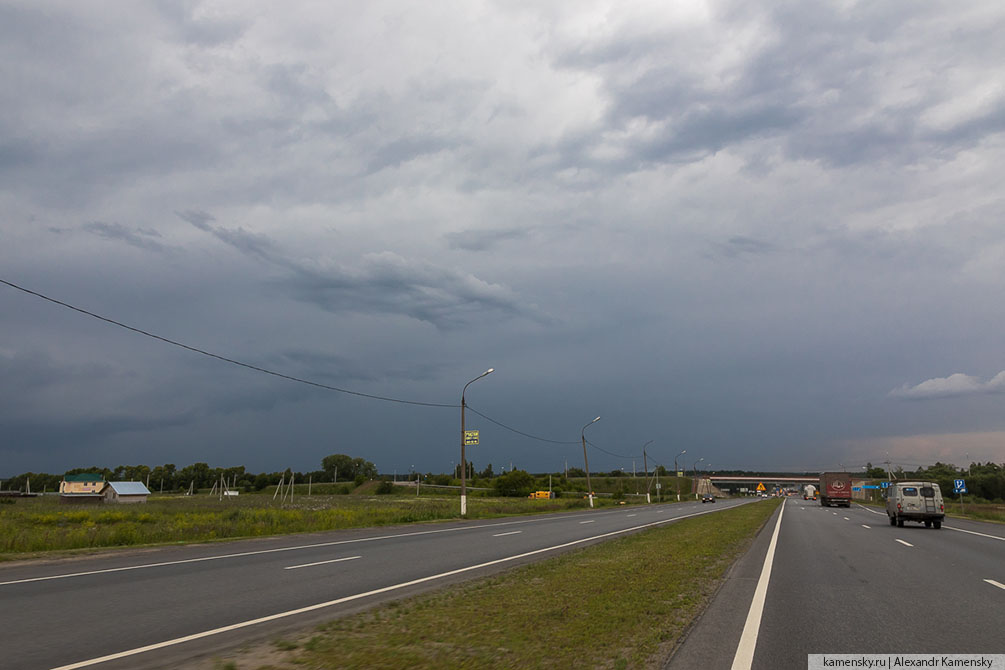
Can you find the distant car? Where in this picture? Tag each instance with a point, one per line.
(708, 497)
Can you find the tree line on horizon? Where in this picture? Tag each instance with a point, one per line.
(984, 480)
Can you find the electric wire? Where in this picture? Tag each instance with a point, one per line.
(223, 358)
(514, 430)
(610, 453)
(298, 380)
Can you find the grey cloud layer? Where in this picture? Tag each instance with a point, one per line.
(712, 217)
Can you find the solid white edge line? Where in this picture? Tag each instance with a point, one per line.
(512, 532)
(973, 532)
(311, 565)
(744, 657)
(338, 601)
(280, 549)
(906, 544)
(994, 583)
(871, 511)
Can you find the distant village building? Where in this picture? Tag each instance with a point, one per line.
(126, 492)
(82, 489)
(87, 482)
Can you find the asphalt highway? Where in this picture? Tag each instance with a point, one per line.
(844, 581)
(159, 607)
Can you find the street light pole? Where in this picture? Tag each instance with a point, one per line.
(645, 464)
(676, 472)
(694, 471)
(464, 465)
(586, 461)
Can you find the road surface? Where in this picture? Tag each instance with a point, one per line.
(844, 581)
(189, 601)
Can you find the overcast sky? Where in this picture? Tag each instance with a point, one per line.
(769, 233)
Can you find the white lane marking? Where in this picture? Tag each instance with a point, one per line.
(906, 544)
(512, 532)
(330, 603)
(582, 522)
(311, 565)
(871, 511)
(994, 583)
(631, 515)
(973, 532)
(847, 519)
(748, 640)
(865, 526)
(280, 549)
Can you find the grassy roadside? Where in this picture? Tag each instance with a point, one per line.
(36, 525)
(620, 604)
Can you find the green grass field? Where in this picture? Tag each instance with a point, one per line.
(42, 524)
(617, 605)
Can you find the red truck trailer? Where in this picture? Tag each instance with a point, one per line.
(835, 489)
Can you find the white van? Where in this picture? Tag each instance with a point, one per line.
(915, 501)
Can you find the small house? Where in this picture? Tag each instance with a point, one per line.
(82, 489)
(125, 492)
(86, 482)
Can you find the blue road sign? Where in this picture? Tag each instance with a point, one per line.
(872, 486)
(959, 484)
(885, 485)
(856, 488)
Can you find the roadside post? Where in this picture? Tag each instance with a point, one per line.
(960, 486)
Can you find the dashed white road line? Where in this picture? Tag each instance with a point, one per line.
(258, 552)
(906, 544)
(512, 532)
(385, 589)
(590, 521)
(865, 526)
(311, 565)
(847, 519)
(631, 515)
(994, 583)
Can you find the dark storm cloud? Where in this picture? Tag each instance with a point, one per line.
(377, 283)
(739, 246)
(335, 370)
(482, 240)
(136, 237)
(390, 284)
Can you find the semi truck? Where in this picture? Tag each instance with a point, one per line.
(835, 489)
(809, 492)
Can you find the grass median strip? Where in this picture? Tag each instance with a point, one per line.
(620, 604)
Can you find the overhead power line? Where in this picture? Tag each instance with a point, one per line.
(223, 358)
(610, 453)
(514, 430)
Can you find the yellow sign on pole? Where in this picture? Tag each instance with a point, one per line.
(470, 438)
(760, 486)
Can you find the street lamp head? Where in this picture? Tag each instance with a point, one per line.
(489, 371)
(595, 420)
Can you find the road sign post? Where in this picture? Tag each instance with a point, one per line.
(960, 486)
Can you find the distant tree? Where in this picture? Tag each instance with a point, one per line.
(348, 467)
(577, 472)
(514, 483)
(487, 472)
(874, 472)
